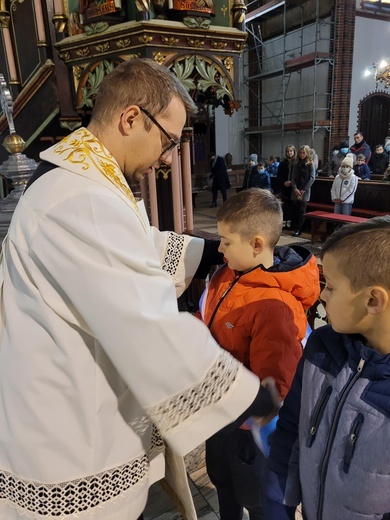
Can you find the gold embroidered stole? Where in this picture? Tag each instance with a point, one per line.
(83, 149)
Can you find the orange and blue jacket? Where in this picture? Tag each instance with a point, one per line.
(260, 316)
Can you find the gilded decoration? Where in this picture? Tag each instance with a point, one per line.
(13, 4)
(83, 52)
(4, 20)
(218, 45)
(224, 10)
(122, 44)
(104, 47)
(239, 46)
(84, 149)
(65, 56)
(159, 57)
(195, 43)
(228, 62)
(145, 39)
(77, 72)
(169, 40)
(164, 172)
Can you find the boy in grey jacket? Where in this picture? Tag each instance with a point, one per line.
(330, 449)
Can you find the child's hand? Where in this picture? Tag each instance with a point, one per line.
(337, 201)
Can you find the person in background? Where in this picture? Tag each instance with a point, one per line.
(344, 187)
(335, 160)
(272, 167)
(361, 147)
(314, 160)
(330, 448)
(98, 368)
(362, 171)
(220, 178)
(387, 146)
(255, 308)
(250, 172)
(283, 181)
(303, 176)
(263, 179)
(386, 176)
(379, 160)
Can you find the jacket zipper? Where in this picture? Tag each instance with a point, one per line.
(226, 292)
(352, 440)
(317, 416)
(325, 461)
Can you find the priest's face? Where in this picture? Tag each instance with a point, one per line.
(149, 148)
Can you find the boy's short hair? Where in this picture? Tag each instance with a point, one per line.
(253, 212)
(363, 252)
(361, 157)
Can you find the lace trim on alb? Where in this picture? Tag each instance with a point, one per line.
(173, 262)
(216, 383)
(72, 497)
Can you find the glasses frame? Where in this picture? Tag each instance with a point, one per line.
(172, 141)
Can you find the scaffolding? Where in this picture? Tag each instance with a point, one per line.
(288, 72)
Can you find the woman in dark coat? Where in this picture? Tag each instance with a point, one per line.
(220, 178)
(303, 176)
(283, 181)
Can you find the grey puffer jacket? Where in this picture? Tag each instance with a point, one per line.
(338, 463)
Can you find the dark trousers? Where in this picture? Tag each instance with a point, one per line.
(300, 207)
(215, 195)
(236, 467)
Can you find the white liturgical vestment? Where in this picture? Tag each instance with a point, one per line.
(93, 349)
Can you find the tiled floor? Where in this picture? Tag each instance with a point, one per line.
(159, 506)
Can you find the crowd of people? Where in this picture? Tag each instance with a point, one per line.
(101, 375)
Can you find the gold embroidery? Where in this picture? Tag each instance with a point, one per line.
(83, 148)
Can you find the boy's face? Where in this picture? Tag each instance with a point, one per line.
(379, 149)
(345, 309)
(361, 161)
(239, 253)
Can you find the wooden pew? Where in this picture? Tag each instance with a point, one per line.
(320, 220)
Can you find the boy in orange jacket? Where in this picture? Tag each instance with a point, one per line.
(255, 308)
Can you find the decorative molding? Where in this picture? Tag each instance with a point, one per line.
(169, 40)
(145, 39)
(159, 57)
(122, 44)
(13, 4)
(228, 62)
(218, 45)
(90, 81)
(198, 23)
(195, 43)
(83, 52)
(4, 19)
(96, 28)
(104, 47)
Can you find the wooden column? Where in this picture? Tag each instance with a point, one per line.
(177, 193)
(187, 180)
(153, 199)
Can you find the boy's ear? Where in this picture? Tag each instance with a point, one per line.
(258, 244)
(378, 300)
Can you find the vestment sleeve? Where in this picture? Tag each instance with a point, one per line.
(97, 267)
(180, 256)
